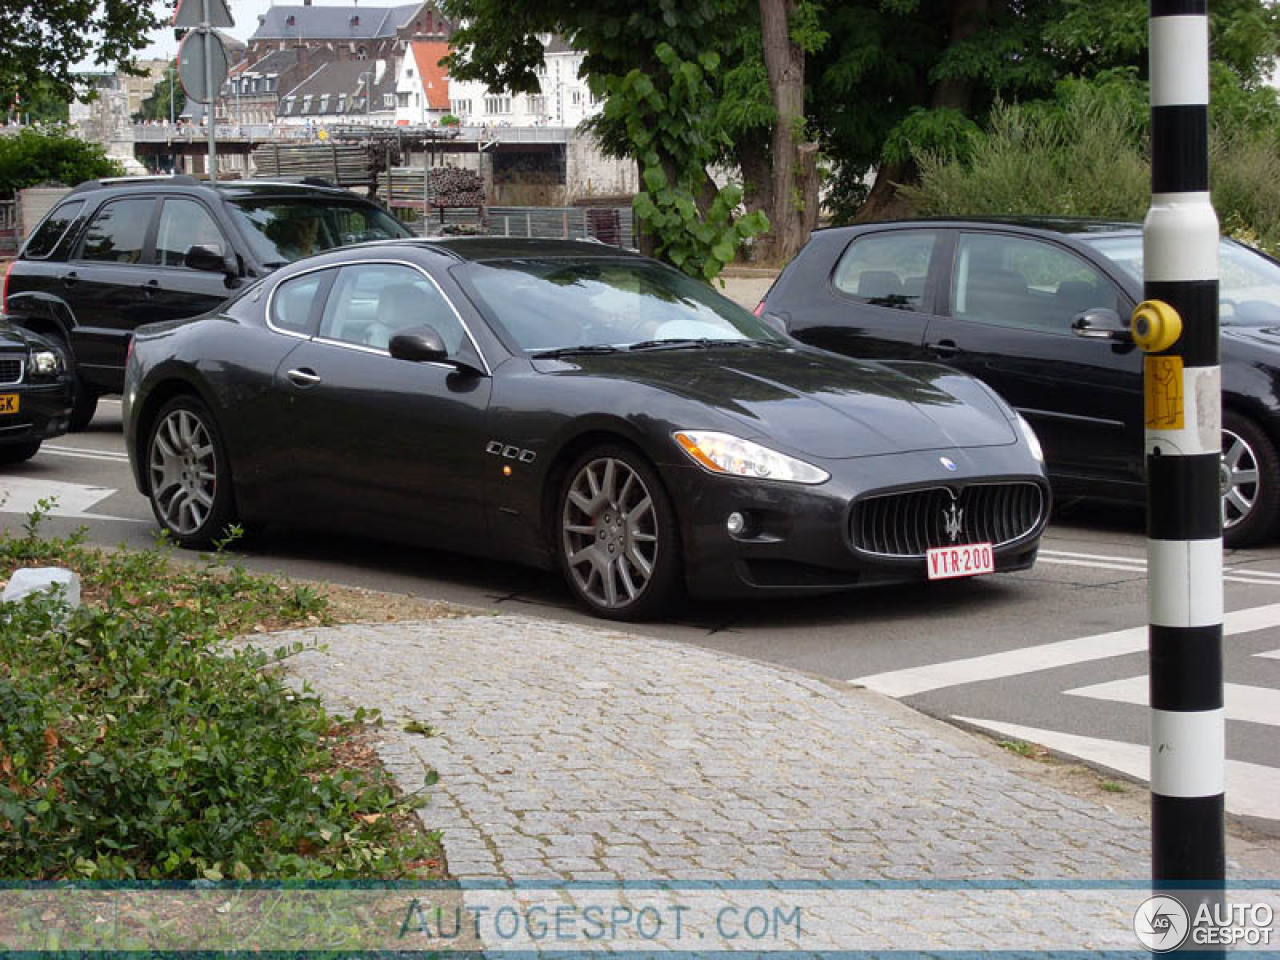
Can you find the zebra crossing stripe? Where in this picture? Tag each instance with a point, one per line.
(1244, 703)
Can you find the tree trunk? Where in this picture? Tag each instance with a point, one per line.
(883, 202)
(784, 62)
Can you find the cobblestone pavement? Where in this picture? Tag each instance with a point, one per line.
(585, 754)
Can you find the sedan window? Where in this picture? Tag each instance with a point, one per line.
(1021, 282)
(294, 301)
(371, 302)
(887, 269)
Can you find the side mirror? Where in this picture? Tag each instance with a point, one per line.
(209, 256)
(418, 345)
(1101, 323)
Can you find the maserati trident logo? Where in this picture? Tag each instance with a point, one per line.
(948, 463)
(952, 521)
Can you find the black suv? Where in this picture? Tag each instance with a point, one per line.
(116, 254)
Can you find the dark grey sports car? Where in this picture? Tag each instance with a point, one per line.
(570, 404)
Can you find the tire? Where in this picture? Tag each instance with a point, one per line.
(84, 398)
(188, 474)
(1250, 482)
(18, 452)
(617, 540)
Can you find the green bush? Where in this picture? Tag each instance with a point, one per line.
(1245, 171)
(135, 744)
(50, 155)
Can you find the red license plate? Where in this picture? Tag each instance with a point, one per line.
(963, 560)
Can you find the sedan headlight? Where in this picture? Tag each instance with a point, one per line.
(1033, 442)
(727, 454)
(45, 363)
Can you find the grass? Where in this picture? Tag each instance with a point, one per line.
(136, 743)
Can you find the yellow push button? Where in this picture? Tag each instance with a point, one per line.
(1156, 326)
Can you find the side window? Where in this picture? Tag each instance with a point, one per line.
(1021, 282)
(887, 269)
(294, 302)
(183, 224)
(118, 232)
(50, 233)
(371, 302)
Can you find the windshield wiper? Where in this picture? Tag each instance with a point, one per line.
(701, 343)
(586, 348)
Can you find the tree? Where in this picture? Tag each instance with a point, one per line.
(659, 65)
(157, 106)
(46, 38)
(50, 156)
(37, 101)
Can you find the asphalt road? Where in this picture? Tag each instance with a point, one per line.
(1055, 655)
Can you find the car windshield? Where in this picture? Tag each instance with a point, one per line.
(603, 304)
(283, 230)
(1248, 285)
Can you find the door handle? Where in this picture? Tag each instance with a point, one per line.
(70, 279)
(304, 376)
(944, 349)
(150, 287)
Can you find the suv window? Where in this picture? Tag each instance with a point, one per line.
(887, 269)
(50, 233)
(371, 302)
(118, 232)
(183, 224)
(280, 230)
(1021, 282)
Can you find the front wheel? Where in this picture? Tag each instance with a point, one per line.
(1250, 482)
(188, 476)
(618, 543)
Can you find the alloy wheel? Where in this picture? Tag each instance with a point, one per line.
(1240, 477)
(184, 471)
(609, 527)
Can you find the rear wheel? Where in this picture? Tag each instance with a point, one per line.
(188, 476)
(18, 452)
(618, 542)
(1250, 482)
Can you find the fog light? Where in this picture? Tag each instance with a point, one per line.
(735, 524)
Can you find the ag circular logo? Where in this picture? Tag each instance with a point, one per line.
(1161, 924)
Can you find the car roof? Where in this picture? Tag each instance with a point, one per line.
(518, 248)
(1023, 223)
(305, 187)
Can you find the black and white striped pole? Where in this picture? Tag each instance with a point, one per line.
(1177, 327)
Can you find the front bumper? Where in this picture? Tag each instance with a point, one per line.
(44, 411)
(798, 537)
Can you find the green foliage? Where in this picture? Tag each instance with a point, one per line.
(942, 130)
(1245, 174)
(49, 38)
(662, 119)
(156, 106)
(1082, 159)
(135, 743)
(449, 120)
(41, 156)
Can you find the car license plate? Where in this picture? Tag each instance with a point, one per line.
(8, 403)
(965, 560)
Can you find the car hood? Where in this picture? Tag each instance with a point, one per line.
(815, 403)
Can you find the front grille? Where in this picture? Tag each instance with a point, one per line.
(910, 523)
(10, 370)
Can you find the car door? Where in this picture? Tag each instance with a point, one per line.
(1010, 305)
(383, 445)
(103, 285)
(174, 290)
(879, 296)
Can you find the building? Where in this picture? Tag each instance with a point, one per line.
(422, 85)
(563, 100)
(342, 92)
(349, 33)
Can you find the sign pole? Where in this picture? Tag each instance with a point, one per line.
(1177, 326)
(209, 40)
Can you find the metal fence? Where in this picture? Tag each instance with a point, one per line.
(611, 225)
(10, 237)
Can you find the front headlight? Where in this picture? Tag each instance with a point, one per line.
(1033, 442)
(45, 363)
(727, 454)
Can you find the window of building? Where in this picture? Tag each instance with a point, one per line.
(575, 97)
(342, 103)
(537, 105)
(403, 98)
(389, 100)
(306, 103)
(460, 108)
(324, 103)
(497, 105)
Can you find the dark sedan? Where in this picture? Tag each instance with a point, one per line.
(35, 392)
(1039, 310)
(571, 405)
